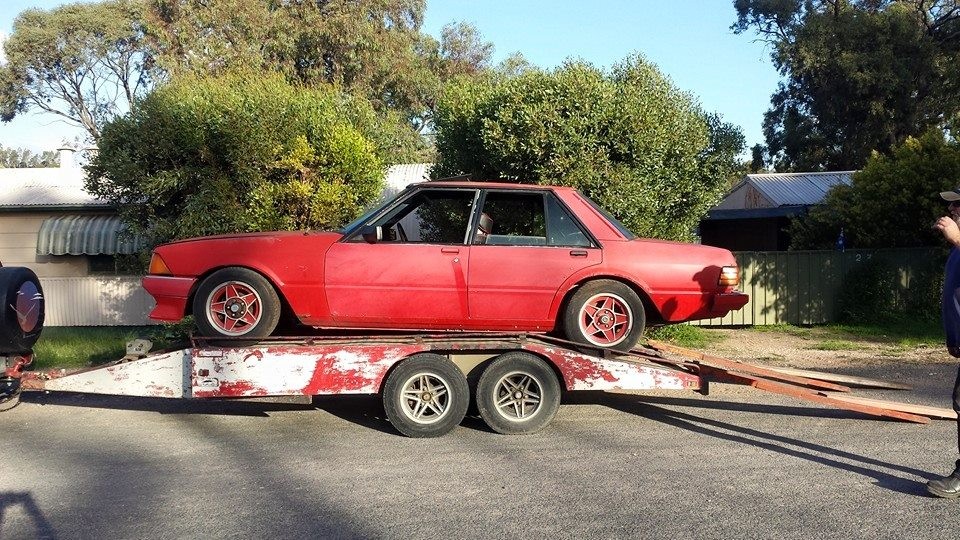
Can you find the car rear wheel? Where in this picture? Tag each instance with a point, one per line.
(518, 394)
(23, 309)
(606, 314)
(236, 303)
(426, 396)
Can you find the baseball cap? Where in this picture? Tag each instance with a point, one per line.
(951, 195)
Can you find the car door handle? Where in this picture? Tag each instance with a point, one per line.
(578, 253)
(449, 250)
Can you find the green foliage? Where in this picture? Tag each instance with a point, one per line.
(85, 62)
(892, 202)
(22, 157)
(243, 152)
(872, 294)
(628, 139)
(373, 48)
(860, 75)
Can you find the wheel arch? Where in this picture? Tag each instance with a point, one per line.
(285, 308)
(650, 309)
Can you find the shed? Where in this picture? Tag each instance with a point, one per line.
(755, 215)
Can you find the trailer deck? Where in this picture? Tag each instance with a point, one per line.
(427, 381)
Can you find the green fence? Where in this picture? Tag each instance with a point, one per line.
(805, 287)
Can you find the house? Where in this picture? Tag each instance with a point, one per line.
(50, 224)
(400, 176)
(755, 215)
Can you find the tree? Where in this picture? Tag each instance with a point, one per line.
(23, 158)
(374, 48)
(83, 62)
(892, 202)
(243, 152)
(860, 75)
(628, 139)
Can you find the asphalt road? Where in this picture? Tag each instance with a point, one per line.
(736, 464)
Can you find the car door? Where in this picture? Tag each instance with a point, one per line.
(525, 246)
(414, 275)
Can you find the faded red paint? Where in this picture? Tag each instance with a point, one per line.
(19, 363)
(231, 389)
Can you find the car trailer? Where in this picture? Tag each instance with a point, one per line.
(426, 381)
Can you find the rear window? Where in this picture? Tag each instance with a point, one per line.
(621, 228)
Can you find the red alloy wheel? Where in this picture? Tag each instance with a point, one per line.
(234, 308)
(605, 319)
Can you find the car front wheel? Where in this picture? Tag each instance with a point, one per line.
(606, 314)
(236, 303)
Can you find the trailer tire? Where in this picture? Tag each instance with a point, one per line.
(604, 313)
(426, 395)
(23, 309)
(518, 394)
(235, 303)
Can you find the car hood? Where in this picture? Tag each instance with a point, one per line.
(257, 235)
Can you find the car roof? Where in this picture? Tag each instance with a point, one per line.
(487, 185)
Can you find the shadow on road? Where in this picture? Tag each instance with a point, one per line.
(362, 410)
(19, 499)
(816, 453)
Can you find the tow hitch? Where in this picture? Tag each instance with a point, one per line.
(10, 380)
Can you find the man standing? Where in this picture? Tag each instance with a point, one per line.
(949, 486)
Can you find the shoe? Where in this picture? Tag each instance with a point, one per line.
(947, 487)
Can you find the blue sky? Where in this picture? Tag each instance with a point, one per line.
(691, 42)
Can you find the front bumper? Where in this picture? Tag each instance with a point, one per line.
(171, 294)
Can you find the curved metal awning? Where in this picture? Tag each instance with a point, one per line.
(86, 235)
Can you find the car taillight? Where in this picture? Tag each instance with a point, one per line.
(157, 266)
(729, 276)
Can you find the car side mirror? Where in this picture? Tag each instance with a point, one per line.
(371, 233)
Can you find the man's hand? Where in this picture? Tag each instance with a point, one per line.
(949, 228)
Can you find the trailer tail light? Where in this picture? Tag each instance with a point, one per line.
(729, 276)
(157, 266)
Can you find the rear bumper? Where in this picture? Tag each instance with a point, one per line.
(727, 302)
(171, 294)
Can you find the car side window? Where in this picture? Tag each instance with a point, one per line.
(432, 216)
(562, 228)
(512, 219)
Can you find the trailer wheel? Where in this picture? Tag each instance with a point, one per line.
(234, 303)
(426, 395)
(604, 313)
(22, 311)
(518, 393)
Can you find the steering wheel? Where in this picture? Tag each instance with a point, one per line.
(401, 233)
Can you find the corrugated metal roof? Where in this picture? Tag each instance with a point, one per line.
(787, 189)
(52, 187)
(85, 235)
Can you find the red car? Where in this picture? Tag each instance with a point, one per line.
(450, 255)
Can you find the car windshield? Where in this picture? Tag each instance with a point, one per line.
(355, 224)
(621, 228)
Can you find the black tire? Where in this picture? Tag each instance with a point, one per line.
(23, 309)
(518, 394)
(250, 307)
(618, 317)
(426, 395)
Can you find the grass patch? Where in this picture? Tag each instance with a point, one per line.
(684, 335)
(903, 333)
(835, 345)
(785, 329)
(76, 347)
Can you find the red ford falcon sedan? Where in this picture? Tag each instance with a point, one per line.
(450, 255)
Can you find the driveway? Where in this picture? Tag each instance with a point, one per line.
(736, 464)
